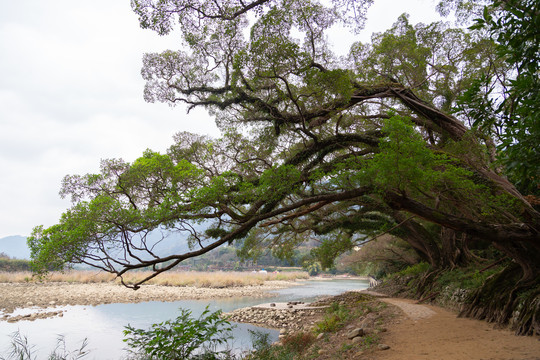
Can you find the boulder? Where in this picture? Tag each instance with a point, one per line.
(355, 333)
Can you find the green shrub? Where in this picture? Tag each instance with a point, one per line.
(182, 338)
(415, 270)
(464, 278)
(334, 319)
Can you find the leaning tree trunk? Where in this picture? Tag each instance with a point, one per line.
(454, 250)
(520, 241)
(420, 240)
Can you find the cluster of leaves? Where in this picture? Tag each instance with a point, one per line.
(182, 338)
(514, 27)
(415, 270)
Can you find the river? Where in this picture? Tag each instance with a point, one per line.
(102, 325)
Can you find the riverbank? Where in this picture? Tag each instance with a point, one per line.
(56, 294)
(357, 325)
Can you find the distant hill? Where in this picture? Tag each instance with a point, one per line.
(15, 247)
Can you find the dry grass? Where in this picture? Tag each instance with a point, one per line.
(216, 279)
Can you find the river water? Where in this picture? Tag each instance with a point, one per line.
(102, 325)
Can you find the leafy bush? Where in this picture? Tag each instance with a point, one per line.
(182, 338)
(313, 268)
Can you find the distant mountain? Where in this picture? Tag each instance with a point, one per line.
(15, 247)
(173, 243)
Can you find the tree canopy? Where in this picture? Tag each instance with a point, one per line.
(385, 139)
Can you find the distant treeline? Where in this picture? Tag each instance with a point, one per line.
(11, 265)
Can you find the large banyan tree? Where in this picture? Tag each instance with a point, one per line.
(384, 138)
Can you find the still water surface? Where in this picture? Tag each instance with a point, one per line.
(102, 325)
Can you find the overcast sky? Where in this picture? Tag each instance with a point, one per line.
(71, 94)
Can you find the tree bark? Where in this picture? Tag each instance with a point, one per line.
(519, 241)
(420, 240)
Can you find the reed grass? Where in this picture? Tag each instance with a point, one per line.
(218, 279)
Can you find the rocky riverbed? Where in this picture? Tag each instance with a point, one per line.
(298, 316)
(282, 316)
(50, 295)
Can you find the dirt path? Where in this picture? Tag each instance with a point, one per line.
(430, 332)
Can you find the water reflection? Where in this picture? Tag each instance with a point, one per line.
(102, 325)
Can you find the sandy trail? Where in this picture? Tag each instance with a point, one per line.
(430, 332)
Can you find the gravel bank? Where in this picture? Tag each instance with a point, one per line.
(45, 295)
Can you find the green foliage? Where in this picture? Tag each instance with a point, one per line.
(330, 249)
(370, 340)
(415, 270)
(465, 278)
(181, 338)
(277, 182)
(12, 265)
(406, 164)
(335, 318)
(513, 25)
(312, 267)
(291, 348)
